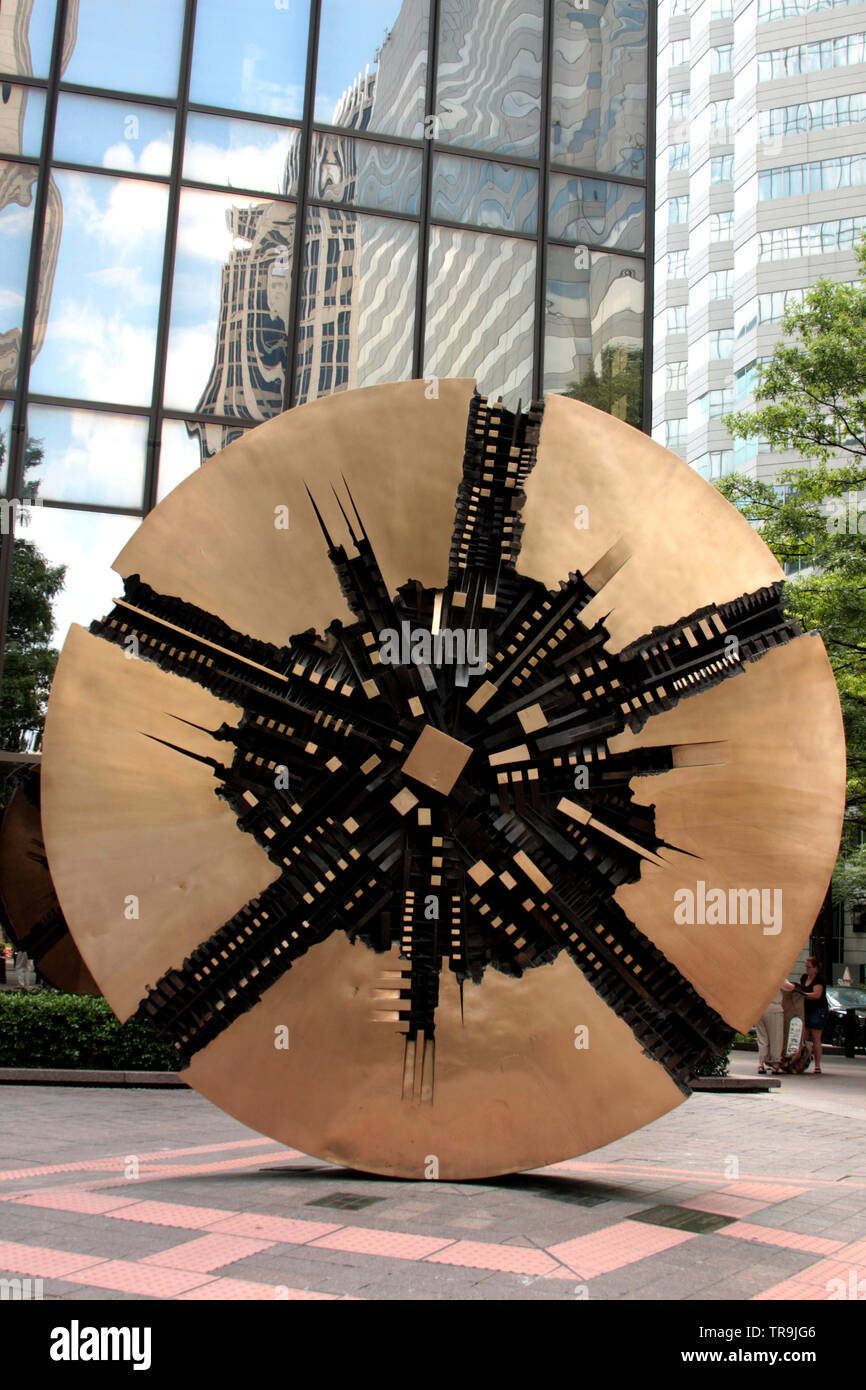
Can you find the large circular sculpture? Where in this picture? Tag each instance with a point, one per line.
(448, 782)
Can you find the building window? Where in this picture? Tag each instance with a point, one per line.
(721, 9)
(812, 115)
(712, 405)
(820, 176)
(721, 168)
(679, 7)
(721, 226)
(811, 57)
(817, 237)
(744, 381)
(721, 58)
(678, 157)
(721, 343)
(721, 462)
(747, 449)
(715, 464)
(678, 210)
(679, 53)
(677, 373)
(769, 10)
(721, 284)
(676, 433)
(679, 105)
(720, 119)
(677, 265)
(677, 318)
(775, 304)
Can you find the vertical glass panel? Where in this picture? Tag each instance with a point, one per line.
(22, 115)
(114, 134)
(88, 456)
(593, 330)
(125, 48)
(5, 427)
(503, 196)
(251, 55)
(489, 89)
(241, 154)
(17, 192)
(230, 305)
(343, 170)
(480, 311)
(599, 85)
(99, 288)
(595, 211)
(387, 261)
(186, 445)
(25, 41)
(357, 309)
(372, 72)
(86, 543)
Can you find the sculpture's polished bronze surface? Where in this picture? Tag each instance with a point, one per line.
(449, 813)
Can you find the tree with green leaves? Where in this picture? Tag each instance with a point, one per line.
(29, 658)
(811, 398)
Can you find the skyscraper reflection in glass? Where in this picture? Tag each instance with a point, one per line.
(213, 210)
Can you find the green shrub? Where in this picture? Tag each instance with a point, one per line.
(44, 1028)
(716, 1066)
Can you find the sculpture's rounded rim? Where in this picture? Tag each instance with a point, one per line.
(125, 818)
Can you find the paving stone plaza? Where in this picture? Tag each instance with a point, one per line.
(730, 1197)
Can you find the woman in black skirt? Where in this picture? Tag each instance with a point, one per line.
(814, 993)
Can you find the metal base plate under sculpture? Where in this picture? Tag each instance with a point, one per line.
(448, 782)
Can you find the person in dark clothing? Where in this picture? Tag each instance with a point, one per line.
(814, 991)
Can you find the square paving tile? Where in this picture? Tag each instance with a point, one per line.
(479, 1255)
(207, 1253)
(171, 1214)
(278, 1228)
(399, 1245)
(131, 1277)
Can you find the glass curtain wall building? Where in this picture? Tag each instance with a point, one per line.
(212, 210)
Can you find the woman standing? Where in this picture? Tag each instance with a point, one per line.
(812, 985)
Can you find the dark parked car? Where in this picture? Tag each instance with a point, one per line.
(840, 998)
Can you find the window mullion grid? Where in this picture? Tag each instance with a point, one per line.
(154, 443)
(649, 214)
(304, 157)
(18, 431)
(423, 251)
(543, 202)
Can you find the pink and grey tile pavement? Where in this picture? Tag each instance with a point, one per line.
(143, 1195)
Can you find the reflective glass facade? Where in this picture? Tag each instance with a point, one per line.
(212, 210)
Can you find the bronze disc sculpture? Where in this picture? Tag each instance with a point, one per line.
(461, 783)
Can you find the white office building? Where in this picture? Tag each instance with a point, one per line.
(760, 191)
(761, 163)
